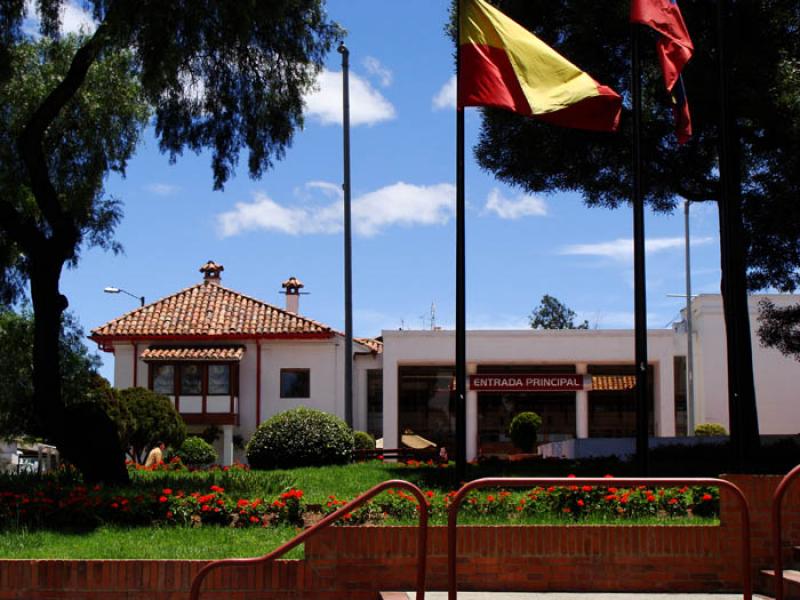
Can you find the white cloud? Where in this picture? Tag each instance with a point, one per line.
(622, 249)
(162, 189)
(367, 105)
(375, 68)
(397, 204)
(74, 18)
(446, 97)
(523, 206)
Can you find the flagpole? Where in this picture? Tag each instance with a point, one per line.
(461, 321)
(348, 249)
(640, 294)
(741, 386)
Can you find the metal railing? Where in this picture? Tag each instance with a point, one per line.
(777, 537)
(515, 482)
(422, 538)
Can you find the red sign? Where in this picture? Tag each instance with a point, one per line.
(526, 382)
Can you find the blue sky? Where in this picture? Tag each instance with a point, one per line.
(289, 223)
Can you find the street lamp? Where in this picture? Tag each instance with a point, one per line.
(116, 290)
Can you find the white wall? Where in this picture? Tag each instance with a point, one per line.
(361, 364)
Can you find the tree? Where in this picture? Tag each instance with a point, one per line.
(552, 314)
(149, 418)
(540, 158)
(780, 327)
(79, 371)
(226, 76)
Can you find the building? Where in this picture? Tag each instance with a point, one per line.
(230, 360)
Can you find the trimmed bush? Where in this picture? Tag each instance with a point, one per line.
(523, 430)
(152, 419)
(709, 430)
(363, 440)
(196, 452)
(300, 437)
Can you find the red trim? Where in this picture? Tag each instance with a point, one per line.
(258, 384)
(135, 362)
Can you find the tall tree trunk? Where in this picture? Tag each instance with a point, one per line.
(84, 434)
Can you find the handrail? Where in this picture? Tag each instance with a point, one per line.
(455, 504)
(422, 538)
(777, 538)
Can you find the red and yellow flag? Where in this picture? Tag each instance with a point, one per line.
(504, 65)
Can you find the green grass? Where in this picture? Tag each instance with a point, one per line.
(146, 543)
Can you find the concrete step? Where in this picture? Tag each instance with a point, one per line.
(791, 582)
(564, 596)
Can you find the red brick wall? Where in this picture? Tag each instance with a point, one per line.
(356, 562)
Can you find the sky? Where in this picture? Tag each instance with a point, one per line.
(289, 223)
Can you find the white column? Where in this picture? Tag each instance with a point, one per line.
(664, 400)
(391, 408)
(581, 407)
(472, 416)
(227, 445)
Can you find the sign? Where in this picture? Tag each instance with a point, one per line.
(524, 382)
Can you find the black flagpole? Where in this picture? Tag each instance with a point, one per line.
(741, 386)
(461, 321)
(640, 295)
(348, 250)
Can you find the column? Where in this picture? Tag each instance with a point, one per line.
(227, 445)
(581, 406)
(664, 400)
(472, 416)
(391, 408)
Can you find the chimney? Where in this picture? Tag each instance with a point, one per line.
(292, 287)
(211, 271)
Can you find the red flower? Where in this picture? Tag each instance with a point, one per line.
(429, 494)
(706, 498)
(672, 501)
(580, 502)
(216, 488)
(163, 499)
(242, 503)
(169, 514)
(490, 498)
(114, 505)
(587, 488)
(571, 475)
(166, 491)
(205, 508)
(254, 519)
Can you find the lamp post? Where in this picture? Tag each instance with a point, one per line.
(116, 290)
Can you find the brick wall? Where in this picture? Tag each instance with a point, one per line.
(356, 562)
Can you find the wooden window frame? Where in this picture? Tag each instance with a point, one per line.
(294, 370)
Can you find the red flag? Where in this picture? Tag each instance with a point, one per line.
(674, 51)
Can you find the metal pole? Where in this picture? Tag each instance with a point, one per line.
(348, 250)
(461, 321)
(689, 332)
(640, 294)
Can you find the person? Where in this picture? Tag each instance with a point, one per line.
(443, 455)
(156, 455)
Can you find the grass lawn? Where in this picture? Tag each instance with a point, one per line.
(147, 543)
(318, 483)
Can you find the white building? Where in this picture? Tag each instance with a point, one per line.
(229, 360)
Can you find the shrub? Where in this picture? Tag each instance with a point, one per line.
(152, 419)
(710, 429)
(300, 437)
(363, 440)
(196, 452)
(523, 430)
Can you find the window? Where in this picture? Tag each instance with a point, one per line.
(191, 380)
(295, 383)
(219, 380)
(164, 379)
(375, 402)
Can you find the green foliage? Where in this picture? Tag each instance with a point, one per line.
(300, 437)
(779, 327)
(152, 419)
(710, 429)
(211, 434)
(196, 452)
(79, 377)
(363, 440)
(552, 314)
(523, 429)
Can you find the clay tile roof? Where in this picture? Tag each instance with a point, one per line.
(613, 383)
(226, 353)
(375, 345)
(208, 309)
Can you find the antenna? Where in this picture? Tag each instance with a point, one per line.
(433, 316)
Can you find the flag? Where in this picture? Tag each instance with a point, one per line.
(504, 65)
(674, 51)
